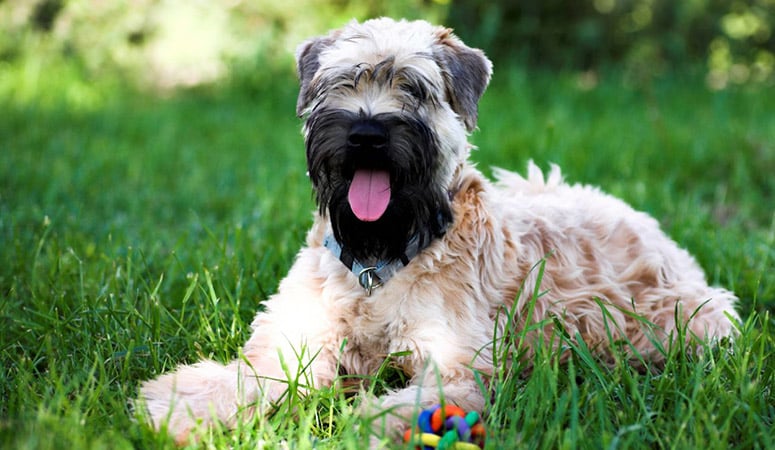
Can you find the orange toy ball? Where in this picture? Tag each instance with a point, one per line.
(441, 414)
(408, 435)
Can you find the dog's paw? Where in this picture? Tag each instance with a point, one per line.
(386, 419)
(161, 407)
(193, 396)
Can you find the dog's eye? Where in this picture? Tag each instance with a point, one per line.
(415, 91)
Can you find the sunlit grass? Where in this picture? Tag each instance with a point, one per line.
(139, 233)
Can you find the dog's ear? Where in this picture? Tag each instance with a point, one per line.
(307, 64)
(466, 73)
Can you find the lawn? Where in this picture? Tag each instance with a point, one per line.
(138, 232)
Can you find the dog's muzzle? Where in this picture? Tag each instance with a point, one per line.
(368, 135)
(370, 187)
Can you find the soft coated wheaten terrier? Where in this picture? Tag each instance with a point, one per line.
(414, 251)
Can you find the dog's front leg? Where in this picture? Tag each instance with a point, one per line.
(293, 345)
(197, 394)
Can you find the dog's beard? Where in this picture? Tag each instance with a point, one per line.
(417, 205)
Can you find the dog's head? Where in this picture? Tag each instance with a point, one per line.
(387, 106)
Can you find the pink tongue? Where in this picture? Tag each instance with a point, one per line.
(369, 194)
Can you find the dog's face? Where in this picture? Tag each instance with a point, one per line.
(387, 107)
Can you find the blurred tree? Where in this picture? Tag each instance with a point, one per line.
(170, 43)
(45, 12)
(734, 37)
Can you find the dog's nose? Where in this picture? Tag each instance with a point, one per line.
(367, 134)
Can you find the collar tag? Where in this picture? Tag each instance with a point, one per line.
(369, 279)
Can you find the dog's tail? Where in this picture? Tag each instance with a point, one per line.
(534, 182)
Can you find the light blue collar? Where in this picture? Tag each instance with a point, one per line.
(373, 274)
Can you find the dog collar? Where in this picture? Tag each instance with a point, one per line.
(372, 275)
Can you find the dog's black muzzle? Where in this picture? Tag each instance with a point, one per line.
(368, 145)
(368, 134)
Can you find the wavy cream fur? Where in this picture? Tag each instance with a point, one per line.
(446, 304)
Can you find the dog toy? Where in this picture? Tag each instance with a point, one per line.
(447, 427)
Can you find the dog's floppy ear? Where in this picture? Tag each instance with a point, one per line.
(307, 64)
(466, 72)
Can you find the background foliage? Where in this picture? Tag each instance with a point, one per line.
(168, 43)
(734, 38)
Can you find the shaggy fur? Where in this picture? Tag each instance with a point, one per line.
(400, 96)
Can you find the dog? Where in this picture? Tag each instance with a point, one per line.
(414, 252)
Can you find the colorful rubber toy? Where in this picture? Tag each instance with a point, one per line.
(447, 427)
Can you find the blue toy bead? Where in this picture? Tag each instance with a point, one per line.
(424, 421)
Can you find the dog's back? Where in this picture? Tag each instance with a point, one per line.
(600, 253)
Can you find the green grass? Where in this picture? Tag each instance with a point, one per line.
(138, 233)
